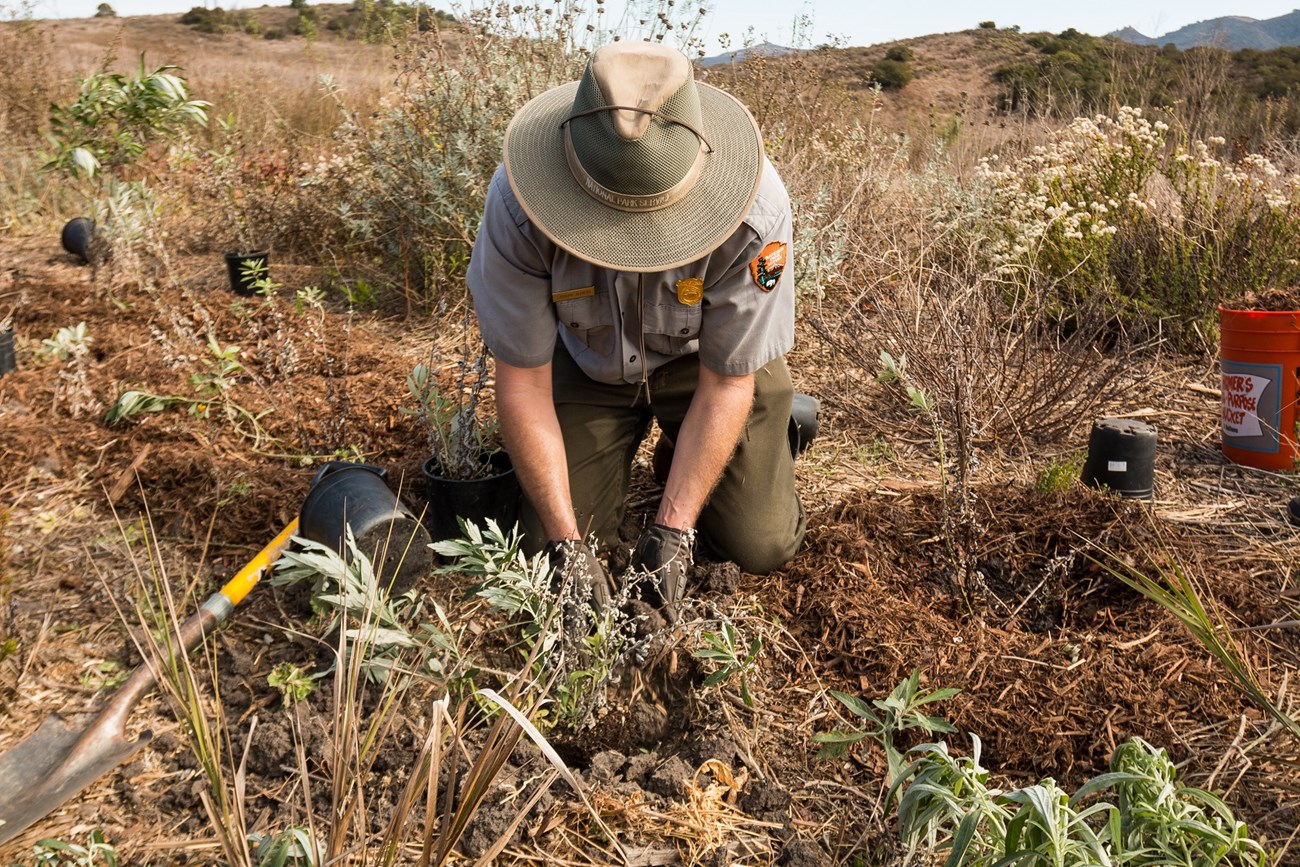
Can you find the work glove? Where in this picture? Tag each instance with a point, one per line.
(660, 564)
(578, 572)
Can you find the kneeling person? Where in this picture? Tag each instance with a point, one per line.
(636, 219)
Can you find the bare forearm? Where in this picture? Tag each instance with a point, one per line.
(532, 436)
(708, 436)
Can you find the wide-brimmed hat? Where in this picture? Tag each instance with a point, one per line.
(637, 166)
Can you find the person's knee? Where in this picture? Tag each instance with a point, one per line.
(757, 553)
(767, 558)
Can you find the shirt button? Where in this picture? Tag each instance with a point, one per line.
(686, 331)
(573, 325)
(633, 358)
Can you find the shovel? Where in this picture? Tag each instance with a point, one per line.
(58, 760)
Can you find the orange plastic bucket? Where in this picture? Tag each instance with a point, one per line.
(1260, 365)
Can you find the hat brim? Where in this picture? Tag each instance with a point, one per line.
(644, 241)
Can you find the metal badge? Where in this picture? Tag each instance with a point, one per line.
(690, 291)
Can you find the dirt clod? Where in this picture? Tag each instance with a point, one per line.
(669, 778)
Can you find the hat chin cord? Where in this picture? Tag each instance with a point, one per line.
(627, 201)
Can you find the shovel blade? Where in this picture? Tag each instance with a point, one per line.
(53, 764)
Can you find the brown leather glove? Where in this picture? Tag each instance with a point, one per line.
(578, 572)
(660, 565)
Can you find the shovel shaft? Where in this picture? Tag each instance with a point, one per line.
(203, 622)
(245, 579)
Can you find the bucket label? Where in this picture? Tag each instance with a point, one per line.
(1117, 466)
(1250, 405)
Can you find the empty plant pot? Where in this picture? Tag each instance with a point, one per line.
(493, 496)
(346, 495)
(77, 235)
(246, 270)
(1122, 457)
(6, 351)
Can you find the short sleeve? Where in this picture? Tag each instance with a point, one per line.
(510, 283)
(749, 292)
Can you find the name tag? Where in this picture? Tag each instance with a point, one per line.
(570, 294)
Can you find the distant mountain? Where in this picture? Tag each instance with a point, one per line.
(763, 48)
(1231, 33)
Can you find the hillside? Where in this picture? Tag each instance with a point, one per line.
(1230, 32)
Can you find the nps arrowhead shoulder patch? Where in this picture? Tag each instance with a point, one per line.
(768, 265)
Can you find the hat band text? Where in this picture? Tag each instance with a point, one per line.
(628, 201)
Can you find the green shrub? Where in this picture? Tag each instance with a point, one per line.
(891, 74)
(305, 23)
(899, 53)
(377, 20)
(988, 25)
(204, 20)
(105, 11)
(410, 187)
(947, 805)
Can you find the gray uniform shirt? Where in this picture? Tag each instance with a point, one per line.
(735, 306)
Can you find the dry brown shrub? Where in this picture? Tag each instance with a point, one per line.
(26, 86)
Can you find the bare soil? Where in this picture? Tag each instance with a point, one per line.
(1057, 661)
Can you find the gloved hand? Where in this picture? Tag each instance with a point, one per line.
(577, 570)
(660, 563)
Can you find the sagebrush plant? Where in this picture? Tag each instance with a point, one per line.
(461, 437)
(69, 347)
(946, 805)
(429, 157)
(386, 811)
(403, 633)
(575, 651)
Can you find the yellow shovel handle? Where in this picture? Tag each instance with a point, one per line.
(246, 579)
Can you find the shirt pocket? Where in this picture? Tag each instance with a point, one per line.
(588, 319)
(673, 329)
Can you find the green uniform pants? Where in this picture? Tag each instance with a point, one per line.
(753, 517)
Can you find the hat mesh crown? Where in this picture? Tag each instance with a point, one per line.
(648, 165)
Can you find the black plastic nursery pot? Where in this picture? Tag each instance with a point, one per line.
(348, 495)
(6, 351)
(77, 235)
(245, 269)
(493, 496)
(1122, 457)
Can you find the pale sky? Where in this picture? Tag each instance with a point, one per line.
(858, 22)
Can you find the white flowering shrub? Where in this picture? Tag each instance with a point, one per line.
(1053, 214)
(1118, 208)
